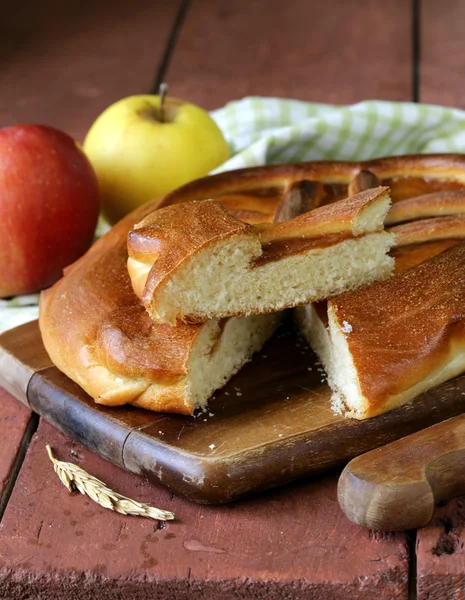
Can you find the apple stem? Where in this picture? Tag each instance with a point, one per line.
(163, 92)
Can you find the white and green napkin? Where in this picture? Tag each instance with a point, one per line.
(272, 131)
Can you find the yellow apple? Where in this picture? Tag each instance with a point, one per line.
(141, 148)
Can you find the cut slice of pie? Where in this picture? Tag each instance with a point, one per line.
(195, 262)
(383, 345)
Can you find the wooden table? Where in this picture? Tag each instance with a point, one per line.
(62, 63)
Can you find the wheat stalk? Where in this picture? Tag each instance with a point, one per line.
(76, 479)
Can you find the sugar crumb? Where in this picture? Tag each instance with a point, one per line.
(346, 327)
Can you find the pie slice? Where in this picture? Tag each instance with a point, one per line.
(424, 226)
(385, 344)
(195, 262)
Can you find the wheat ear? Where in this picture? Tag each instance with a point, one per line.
(76, 479)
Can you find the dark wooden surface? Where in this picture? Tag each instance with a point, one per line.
(440, 557)
(442, 64)
(292, 543)
(221, 455)
(15, 420)
(315, 51)
(62, 64)
(440, 553)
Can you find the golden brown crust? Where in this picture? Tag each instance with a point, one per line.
(181, 230)
(326, 220)
(447, 202)
(411, 255)
(97, 333)
(129, 341)
(431, 166)
(405, 328)
(171, 235)
(263, 190)
(428, 230)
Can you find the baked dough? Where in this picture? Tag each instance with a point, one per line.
(374, 352)
(97, 332)
(388, 343)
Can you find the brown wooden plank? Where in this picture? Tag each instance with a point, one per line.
(442, 65)
(292, 543)
(21, 355)
(62, 63)
(222, 454)
(14, 422)
(297, 49)
(440, 553)
(440, 556)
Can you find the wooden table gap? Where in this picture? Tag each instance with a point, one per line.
(15, 467)
(440, 556)
(416, 50)
(184, 7)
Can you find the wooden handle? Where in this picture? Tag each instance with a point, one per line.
(396, 486)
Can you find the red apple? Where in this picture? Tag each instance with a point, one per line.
(49, 206)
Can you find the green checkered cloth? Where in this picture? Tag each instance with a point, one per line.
(272, 131)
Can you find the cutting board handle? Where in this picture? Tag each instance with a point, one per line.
(396, 486)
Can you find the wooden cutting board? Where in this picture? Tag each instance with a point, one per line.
(271, 424)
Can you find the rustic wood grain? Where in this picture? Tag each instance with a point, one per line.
(293, 543)
(63, 63)
(442, 65)
(14, 422)
(346, 53)
(440, 556)
(21, 355)
(440, 553)
(222, 454)
(396, 487)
